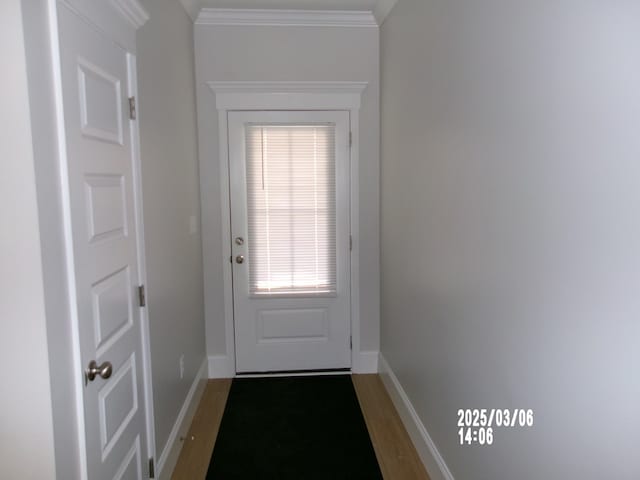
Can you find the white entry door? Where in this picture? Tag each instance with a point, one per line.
(97, 79)
(289, 179)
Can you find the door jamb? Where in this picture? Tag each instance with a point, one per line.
(287, 96)
(145, 330)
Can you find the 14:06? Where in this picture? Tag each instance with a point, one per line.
(481, 436)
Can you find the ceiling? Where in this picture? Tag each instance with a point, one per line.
(380, 8)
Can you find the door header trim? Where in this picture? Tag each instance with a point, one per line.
(287, 95)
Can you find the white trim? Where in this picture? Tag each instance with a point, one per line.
(221, 366)
(145, 332)
(192, 7)
(78, 393)
(171, 450)
(284, 96)
(286, 18)
(354, 201)
(132, 11)
(427, 450)
(227, 273)
(287, 95)
(382, 9)
(285, 87)
(365, 362)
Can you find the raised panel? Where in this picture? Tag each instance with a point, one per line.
(117, 404)
(100, 103)
(309, 324)
(106, 207)
(131, 466)
(112, 306)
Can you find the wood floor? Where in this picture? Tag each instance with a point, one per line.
(396, 454)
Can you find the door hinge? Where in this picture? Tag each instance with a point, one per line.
(132, 108)
(350, 139)
(152, 468)
(350, 342)
(142, 298)
(350, 242)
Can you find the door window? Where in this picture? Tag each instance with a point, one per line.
(291, 208)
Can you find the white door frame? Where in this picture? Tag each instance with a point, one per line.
(287, 96)
(108, 18)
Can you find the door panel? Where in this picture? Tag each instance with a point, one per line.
(95, 79)
(300, 324)
(100, 103)
(289, 178)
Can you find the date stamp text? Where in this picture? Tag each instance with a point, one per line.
(477, 425)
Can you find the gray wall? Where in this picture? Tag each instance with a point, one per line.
(26, 419)
(511, 228)
(232, 53)
(171, 196)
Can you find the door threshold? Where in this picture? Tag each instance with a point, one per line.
(295, 373)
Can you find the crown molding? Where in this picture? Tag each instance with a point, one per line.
(285, 18)
(132, 11)
(382, 9)
(192, 7)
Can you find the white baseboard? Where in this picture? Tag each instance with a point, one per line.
(171, 451)
(431, 458)
(365, 362)
(221, 366)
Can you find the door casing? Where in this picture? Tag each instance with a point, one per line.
(274, 96)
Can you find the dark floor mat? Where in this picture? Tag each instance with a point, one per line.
(286, 428)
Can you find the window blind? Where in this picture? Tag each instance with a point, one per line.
(291, 208)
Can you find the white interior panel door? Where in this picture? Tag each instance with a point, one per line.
(289, 178)
(96, 82)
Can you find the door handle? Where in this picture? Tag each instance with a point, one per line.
(239, 241)
(105, 370)
(240, 259)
